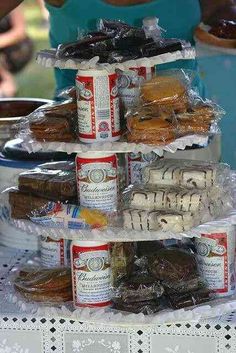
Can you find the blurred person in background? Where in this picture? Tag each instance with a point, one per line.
(16, 50)
(178, 17)
(44, 12)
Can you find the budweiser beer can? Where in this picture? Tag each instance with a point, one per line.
(135, 162)
(129, 84)
(98, 106)
(91, 273)
(216, 258)
(54, 253)
(96, 175)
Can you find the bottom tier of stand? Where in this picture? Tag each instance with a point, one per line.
(30, 333)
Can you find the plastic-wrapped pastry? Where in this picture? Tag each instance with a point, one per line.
(184, 300)
(197, 176)
(145, 307)
(173, 265)
(139, 288)
(55, 181)
(45, 285)
(164, 173)
(122, 260)
(22, 204)
(167, 92)
(176, 199)
(151, 130)
(186, 173)
(158, 220)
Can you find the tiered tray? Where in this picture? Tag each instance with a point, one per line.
(116, 234)
(114, 147)
(48, 59)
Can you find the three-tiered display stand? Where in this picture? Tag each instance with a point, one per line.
(59, 330)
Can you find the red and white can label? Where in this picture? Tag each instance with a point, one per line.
(97, 182)
(214, 263)
(54, 252)
(98, 107)
(135, 162)
(91, 275)
(129, 83)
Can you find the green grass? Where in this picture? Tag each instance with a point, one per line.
(34, 80)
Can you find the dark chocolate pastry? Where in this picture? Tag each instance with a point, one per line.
(54, 184)
(122, 260)
(23, 204)
(139, 288)
(145, 307)
(147, 248)
(179, 301)
(186, 286)
(165, 46)
(173, 265)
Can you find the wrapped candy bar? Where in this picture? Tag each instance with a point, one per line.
(58, 215)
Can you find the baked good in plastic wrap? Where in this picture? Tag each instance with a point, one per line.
(55, 181)
(53, 122)
(122, 259)
(155, 130)
(186, 173)
(169, 108)
(49, 286)
(177, 195)
(117, 42)
(167, 221)
(22, 204)
(163, 278)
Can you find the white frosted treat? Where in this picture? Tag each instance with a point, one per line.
(198, 177)
(186, 200)
(158, 220)
(176, 222)
(167, 175)
(140, 219)
(148, 200)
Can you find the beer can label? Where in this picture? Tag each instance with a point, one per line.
(91, 276)
(216, 262)
(129, 83)
(135, 162)
(54, 252)
(98, 108)
(97, 182)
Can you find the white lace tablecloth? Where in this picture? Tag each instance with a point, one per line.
(27, 333)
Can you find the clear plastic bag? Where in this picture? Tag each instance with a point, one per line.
(48, 286)
(55, 181)
(116, 42)
(52, 122)
(186, 173)
(168, 108)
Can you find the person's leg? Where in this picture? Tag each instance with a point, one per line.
(8, 86)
